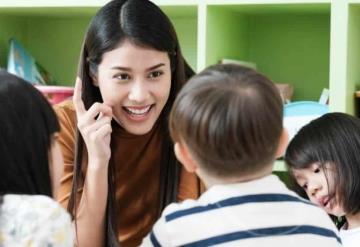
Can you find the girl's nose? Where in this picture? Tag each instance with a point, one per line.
(314, 188)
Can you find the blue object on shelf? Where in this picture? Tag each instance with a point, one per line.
(305, 108)
(300, 113)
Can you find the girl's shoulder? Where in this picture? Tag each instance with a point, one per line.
(34, 219)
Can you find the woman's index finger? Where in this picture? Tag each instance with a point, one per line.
(78, 103)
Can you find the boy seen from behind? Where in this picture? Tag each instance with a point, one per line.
(226, 124)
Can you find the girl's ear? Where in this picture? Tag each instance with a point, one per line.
(183, 155)
(283, 143)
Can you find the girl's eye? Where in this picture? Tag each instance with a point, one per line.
(317, 170)
(155, 74)
(123, 76)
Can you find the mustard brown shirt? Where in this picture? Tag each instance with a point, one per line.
(137, 162)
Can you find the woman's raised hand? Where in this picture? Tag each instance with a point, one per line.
(95, 127)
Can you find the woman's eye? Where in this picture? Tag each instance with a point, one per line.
(317, 170)
(155, 74)
(123, 76)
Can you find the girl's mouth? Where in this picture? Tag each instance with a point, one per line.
(325, 202)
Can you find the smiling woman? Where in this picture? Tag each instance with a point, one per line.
(137, 85)
(120, 169)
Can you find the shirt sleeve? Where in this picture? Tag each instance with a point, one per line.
(67, 119)
(35, 220)
(61, 232)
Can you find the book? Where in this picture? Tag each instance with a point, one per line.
(324, 97)
(24, 65)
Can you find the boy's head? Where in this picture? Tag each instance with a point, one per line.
(228, 119)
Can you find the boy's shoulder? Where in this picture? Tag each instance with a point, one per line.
(264, 206)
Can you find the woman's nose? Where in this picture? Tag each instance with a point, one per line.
(138, 92)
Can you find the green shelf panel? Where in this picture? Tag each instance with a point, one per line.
(184, 19)
(49, 11)
(55, 47)
(9, 27)
(289, 43)
(353, 57)
(179, 11)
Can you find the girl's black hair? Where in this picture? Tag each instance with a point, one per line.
(144, 24)
(27, 125)
(333, 139)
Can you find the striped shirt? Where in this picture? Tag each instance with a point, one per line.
(261, 212)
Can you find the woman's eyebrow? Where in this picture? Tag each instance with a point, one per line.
(155, 66)
(129, 69)
(120, 68)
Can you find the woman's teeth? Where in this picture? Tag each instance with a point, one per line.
(138, 111)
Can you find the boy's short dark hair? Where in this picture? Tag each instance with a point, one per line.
(230, 117)
(333, 139)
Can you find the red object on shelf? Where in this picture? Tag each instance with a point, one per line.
(55, 94)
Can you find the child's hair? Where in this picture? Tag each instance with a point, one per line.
(333, 139)
(230, 118)
(27, 125)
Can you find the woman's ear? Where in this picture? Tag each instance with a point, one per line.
(183, 155)
(95, 81)
(283, 143)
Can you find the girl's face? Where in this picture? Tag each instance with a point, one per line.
(135, 81)
(318, 183)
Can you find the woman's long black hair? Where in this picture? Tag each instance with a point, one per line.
(144, 24)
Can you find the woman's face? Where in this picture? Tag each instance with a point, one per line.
(135, 81)
(318, 183)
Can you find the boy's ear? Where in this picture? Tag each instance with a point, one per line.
(283, 143)
(183, 155)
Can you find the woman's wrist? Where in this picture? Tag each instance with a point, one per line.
(98, 164)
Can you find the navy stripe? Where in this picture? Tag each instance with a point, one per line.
(153, 240)
(233, 201)
(265, 232)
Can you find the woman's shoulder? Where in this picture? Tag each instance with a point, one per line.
(66, 114)
(34, 219)
(65, 111)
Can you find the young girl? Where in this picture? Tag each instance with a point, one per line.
(123, 171)
(324, 161)
(30, 169)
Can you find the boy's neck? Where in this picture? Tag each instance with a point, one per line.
(353, 221)
(210, 181)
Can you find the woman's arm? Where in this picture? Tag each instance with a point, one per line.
(94, 126)
(90, 223)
